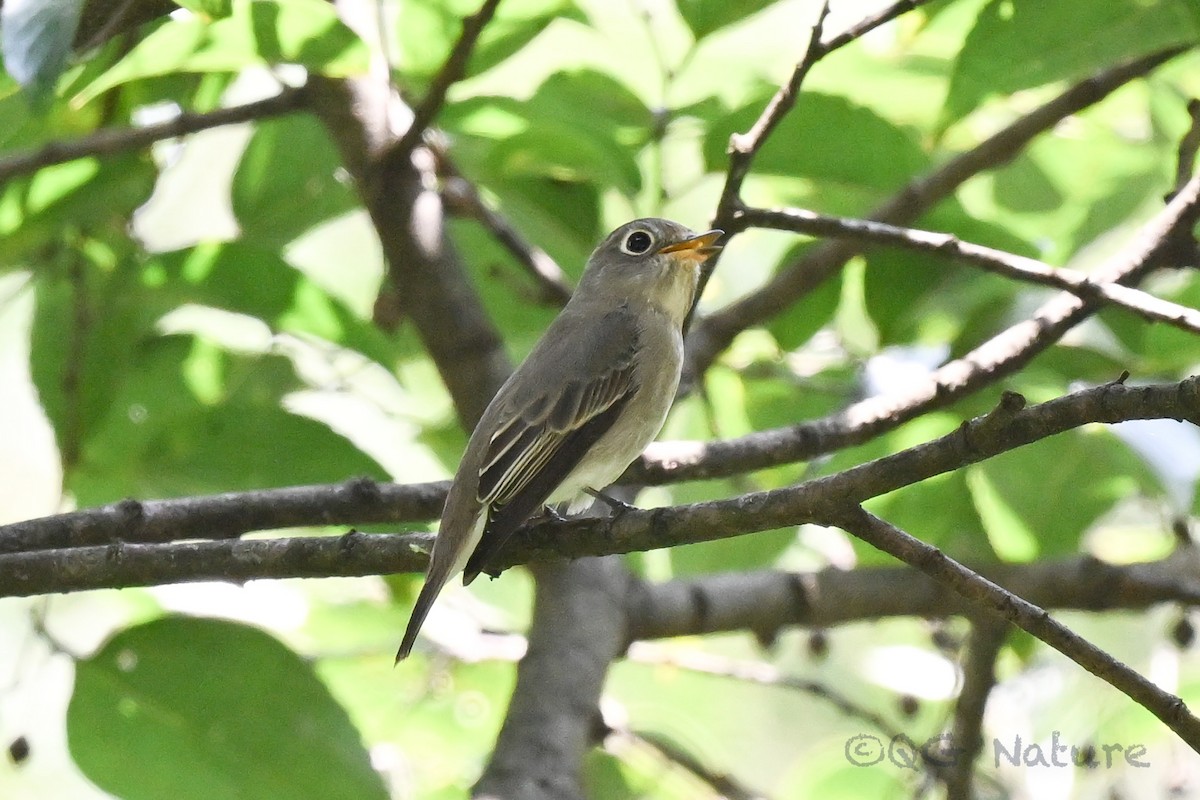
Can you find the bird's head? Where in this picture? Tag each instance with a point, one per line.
(655, 260)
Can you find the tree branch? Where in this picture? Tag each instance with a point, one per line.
(120, 565)
(743, 147)
(712, 334)
(764, 674)
(452, 71)
(1003, 604)
(463, 200)
(110, 141)
(979, 677)
(995, 261)
(1008, 427)
(425, 275)
(1002, 355)
(870, 23)
(1189, 145)
(553, 718)
(722, 785)
(226, 516)
(766, 601)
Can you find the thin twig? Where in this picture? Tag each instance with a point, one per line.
(463, 200)
(887, 537)
(979, 677)
(712, 334)
(868, 24)
(452, 71)
(1189, 144)
(1005, 353)
(996, 261)
(756, 672)
(743, 147)
(724, 786)
(764, 674)
(118, 140)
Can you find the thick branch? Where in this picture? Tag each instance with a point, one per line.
(426, 277)
(768, 600)
(227, 516)
(1008, 427)
(554, 715)
(1005, 605)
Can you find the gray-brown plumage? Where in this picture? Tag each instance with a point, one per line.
(593, 392)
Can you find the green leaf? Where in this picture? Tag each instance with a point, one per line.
(514, 26)
(180, 422)
(786, 400)
(1168, 348)
(603, 776)
(579, 127)
(1080, 476)
(926, 297)
(937, 511)
(813, 311)
(1008, 534)
(826, 138)
(197, 708)
(510, 297)
(85, 324)
(1017, 44)
(287, 181)
(35, 39)
(257, 33)
(213, 9)
(593, 101)
(705, 17)
(562, 153)
(96, 195)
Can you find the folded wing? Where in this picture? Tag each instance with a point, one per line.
(545, 435)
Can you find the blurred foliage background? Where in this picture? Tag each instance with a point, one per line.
(196, 317)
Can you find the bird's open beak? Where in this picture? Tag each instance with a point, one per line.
(698, 248)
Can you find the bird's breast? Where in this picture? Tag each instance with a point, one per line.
(659, 363)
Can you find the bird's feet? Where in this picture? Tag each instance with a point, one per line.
(616, 506)
(547, 514)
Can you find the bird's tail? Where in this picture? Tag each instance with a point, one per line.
(449, 556)
(429, 593)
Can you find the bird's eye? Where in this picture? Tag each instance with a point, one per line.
(637, 243)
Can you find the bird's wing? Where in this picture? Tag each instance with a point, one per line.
(547, 432)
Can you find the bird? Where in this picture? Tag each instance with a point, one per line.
(592, 393)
